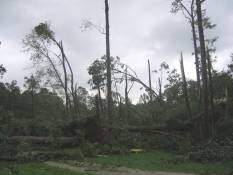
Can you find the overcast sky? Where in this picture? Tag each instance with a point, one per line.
(140, 29)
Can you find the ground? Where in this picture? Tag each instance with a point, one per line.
(35, 169)
(162, 161)
(150, 163)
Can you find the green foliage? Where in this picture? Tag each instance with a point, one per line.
(43, 30)
(2, 70)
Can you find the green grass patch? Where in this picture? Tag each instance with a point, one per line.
(34, 169)
(161, 161)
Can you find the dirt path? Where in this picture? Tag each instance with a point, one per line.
(100, 170)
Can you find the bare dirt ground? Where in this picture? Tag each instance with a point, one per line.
(100, 170)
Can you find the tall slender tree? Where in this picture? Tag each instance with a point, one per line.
(40, 43)
(185, 89)
(108, 63)
(205, 89)
(127, 95)
(189, 14)
(209, 63)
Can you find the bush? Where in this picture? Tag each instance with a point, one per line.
(212, 152)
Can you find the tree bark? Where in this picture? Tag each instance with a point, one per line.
(126, 95)
(65, 82)
(108, 63)
(211, 91)
(196, 59)
(160, 90)
(150, 92)
(205, 91)
(32, 98)
(73, 92)
(97, 109)
(100, 100)
(185, 90)
(149, 74)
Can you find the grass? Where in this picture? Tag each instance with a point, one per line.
(159, 161)
(34, 169)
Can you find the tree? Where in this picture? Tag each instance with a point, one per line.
(12, 95)
(164, 68)
(205, 90)
(211, 98)
(173, 89)
(2, 70)
(108, 63)
(32, 85)
(48, 55)
(149, 74)
(189, 14)
(185, 90)
(97, 71)
(127, 95)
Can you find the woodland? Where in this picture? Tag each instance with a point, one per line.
(180, 122)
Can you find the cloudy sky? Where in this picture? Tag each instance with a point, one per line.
(140, 30)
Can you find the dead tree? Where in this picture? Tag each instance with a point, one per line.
(189, 14)
(185, 89)
(108, 63)
(126, 95)
(150, 93)
(205, 89)
(65, 62)
(149, 74)
(211, 91)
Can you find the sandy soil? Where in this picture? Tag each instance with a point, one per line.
(100, 170)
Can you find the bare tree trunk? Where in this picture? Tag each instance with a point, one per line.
(108, 63)
(205, 91)
(126, 95)
(185, 90)
(196, 60)
(160, 89)
(65, 82)
(32, 96)
(150, 92)
(211, 91)
(100, 100)
(58, 76)
(149, 73)
(75, 100)
(120, 108)
(97, 109)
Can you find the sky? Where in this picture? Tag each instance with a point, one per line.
(140, 30)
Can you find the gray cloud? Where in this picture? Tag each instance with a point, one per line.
(139, 30)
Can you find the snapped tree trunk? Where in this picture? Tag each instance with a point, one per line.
(126, 96)
(65, 82)
(160, 90)
(205, 91)
(185, 89)
(149, 74)
(211, 92)
(150, 92)
(108, 63)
